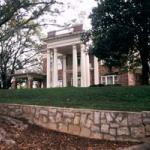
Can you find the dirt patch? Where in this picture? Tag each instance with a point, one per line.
(18, 135)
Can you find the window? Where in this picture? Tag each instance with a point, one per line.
(109, 79)
(103, 80)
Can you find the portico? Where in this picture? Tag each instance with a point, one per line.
(74, 57)
(79, 67)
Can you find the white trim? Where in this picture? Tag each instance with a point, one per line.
(65, 42)
(104, 79)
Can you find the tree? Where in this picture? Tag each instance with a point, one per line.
(121, 30)
(23, 12)
(16, 53)
(19, 21)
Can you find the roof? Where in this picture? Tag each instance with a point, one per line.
(74, 30)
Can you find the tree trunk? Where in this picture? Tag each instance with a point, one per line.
(144, 50)
(4, 80)
(145, 68)
(8, 82)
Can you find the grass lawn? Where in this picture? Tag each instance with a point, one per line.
(106, 98)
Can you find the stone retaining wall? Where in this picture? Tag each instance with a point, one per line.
(98, 124)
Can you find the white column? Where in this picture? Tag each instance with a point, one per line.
(96, 71)
(75, 67)
(55, 68)
(48, 69)
(64, 71)
(106, 78)
(83, 69)
(113, 79)
(87, 62)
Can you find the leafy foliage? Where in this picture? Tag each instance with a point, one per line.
(121, 30)
(19, 25)
(22, 14)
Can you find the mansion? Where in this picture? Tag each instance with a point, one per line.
(67, 63)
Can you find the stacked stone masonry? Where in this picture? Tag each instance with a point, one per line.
(97, 124)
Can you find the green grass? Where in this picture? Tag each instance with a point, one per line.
(106, 98)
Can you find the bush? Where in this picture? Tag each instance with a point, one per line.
(97, 85)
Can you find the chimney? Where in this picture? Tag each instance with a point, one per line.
(52, 34)
(78, 28)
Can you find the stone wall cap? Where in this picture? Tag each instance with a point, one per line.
(74, 109)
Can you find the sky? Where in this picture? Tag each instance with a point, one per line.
(74, 12)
